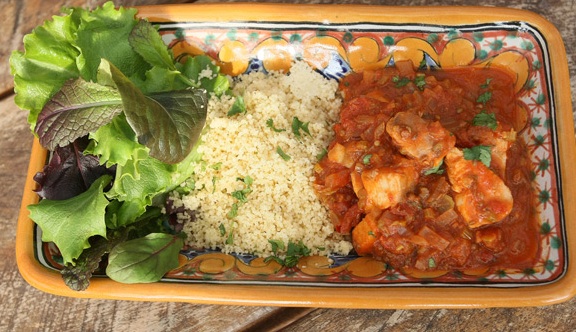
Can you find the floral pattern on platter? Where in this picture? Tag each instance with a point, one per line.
(337, 50)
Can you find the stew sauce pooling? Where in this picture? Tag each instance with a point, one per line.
(426, 170)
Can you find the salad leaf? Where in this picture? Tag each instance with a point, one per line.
(144, 259)
(115, 143)
(145, 40)
(69, 173)
(205, 72)
(168, 123)
(103, 33)
(77, 276)
(79, 108)
(70, 223)
(39, 73)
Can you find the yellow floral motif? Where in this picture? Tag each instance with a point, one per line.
(275, 54)
(364, 54)
(259, 266)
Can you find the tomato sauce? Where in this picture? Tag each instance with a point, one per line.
(407, 175)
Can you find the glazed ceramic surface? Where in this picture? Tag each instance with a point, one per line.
(363, 42)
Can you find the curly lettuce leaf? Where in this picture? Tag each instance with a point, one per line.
(103, 34)
(115, 143)
(70, 223)
(48, 61)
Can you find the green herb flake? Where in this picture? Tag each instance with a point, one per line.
(277, 245)
(222, 229)
(366, 159)
(282, 154)
(238, 107)
(436, 169)
(420, 81)
(322, 154)
(216, 166)
(484, 98)
(230, 239)
(233, 213)
(298, 125)
(486, 84)
(400, 82)
(479, 152)
(431, 263)
(270, 124)
(486, 120)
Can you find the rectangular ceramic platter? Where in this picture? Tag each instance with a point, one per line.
(246, 38)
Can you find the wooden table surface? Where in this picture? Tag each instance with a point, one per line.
(24, 308)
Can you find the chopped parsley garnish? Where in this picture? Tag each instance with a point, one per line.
(240, 195)
(420, 81)
(233, 213)
(484, 98)
(366, 159)
(294, 252)
(238, 107)
(485, 85)
(431, 263)
(479, 152)
(222, 229)
(486, 120)
(270, 124)
(216, 166)
(322, 154)
(282, 153)
(436, 170)
(400, 81)
(298, 125)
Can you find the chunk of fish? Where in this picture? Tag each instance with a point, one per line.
(482, 197)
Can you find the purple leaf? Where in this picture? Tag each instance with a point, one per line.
(69, 172)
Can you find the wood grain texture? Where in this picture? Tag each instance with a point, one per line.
(27, 309)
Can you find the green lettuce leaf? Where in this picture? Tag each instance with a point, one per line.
(115, 143)
(70, 223)
(202, 70)
(48, 61)
(103, 34)
(145, 259)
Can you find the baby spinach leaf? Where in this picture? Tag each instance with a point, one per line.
(168, 123)
(79, 108)
(145, 259)
(70, 223)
